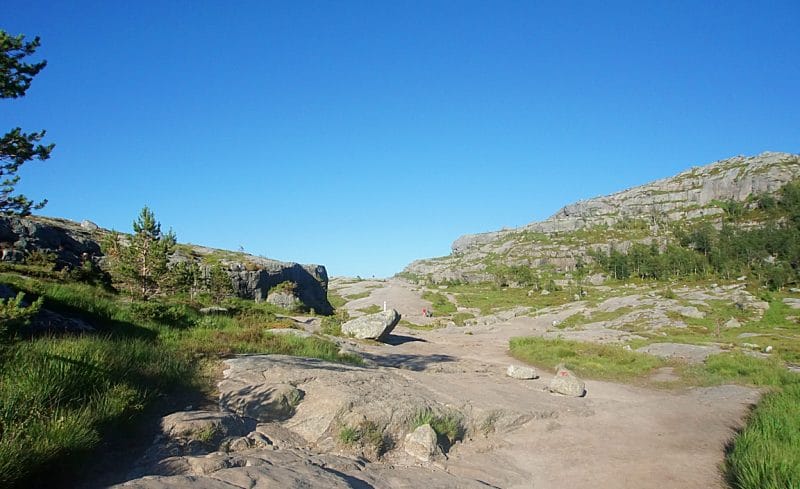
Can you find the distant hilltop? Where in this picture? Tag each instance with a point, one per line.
(636, 214)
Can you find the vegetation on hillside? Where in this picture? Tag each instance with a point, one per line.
(63, 394)
(769, 252)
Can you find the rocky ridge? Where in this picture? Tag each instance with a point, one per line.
(638, 214)
(71, 243)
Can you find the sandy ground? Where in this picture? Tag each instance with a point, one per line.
(618, 436)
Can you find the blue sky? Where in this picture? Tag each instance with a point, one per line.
(363, 135)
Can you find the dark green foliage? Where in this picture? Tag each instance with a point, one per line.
(179, 315)
(142, 263)
(521, 276)
(14, 314)
(771, 253)
(218, 282)
(17, 147)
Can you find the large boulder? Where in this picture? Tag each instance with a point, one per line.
(567, 383)
(372, 326)
(254, 280)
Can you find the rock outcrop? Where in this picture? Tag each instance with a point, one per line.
(69, 241)
(72, 243)
(638, 214)
(207, 449)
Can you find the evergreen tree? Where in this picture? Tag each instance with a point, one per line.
(143, 263)
(17, 147)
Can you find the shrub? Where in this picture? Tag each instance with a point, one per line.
(176, 315)
(14, 314)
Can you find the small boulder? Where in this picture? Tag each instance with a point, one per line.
(213, 310)
(284, 299)
(733, 323)
(567, 383)
(89, 225)
(422, 443)
(689, 312)
(372, 326)
(792, 302)
(522, 373)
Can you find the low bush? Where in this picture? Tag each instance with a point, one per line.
(177, 315)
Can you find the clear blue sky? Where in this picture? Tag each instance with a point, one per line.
(363, 135)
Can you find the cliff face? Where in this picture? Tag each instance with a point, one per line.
(252, 276)
(638, 214)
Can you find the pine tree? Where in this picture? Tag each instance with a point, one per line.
(17, 147)
(144, 262)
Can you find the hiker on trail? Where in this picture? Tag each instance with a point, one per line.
(424, 312)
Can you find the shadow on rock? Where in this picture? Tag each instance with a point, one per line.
(416, 363)
(396, 339)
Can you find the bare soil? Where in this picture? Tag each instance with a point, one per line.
(618, 436)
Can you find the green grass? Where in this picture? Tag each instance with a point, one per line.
(743, 369)
(421, 327)
(372, 309)
(367, 435)
(766, 454)
(489, 298)
(449, 426)
(354, 297)
(61, 397)
(349, 435)
(460, 318)
(439, 303)
(607, 362)
(336, 300)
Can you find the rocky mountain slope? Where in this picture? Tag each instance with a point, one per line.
(252, 277)
(640, 214)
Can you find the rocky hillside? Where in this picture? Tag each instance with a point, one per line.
(71, 243)
(640, 214)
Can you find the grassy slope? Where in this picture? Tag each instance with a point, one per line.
(61, 396)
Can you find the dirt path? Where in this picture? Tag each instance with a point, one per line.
(520, 435)
(618, 436)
